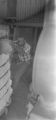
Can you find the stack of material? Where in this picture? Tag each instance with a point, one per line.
(5, 81)
(5, 76)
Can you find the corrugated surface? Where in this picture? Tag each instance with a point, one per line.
(11, 8)
(19, 9)
(26, 8)
(3, 8)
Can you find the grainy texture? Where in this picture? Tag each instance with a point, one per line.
(3, 8)
(19, 9)
(25, 8)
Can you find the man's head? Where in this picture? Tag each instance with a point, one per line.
(5, 46)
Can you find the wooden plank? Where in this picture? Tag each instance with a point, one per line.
(28, 25)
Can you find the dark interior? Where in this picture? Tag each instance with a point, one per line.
(30, 29)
